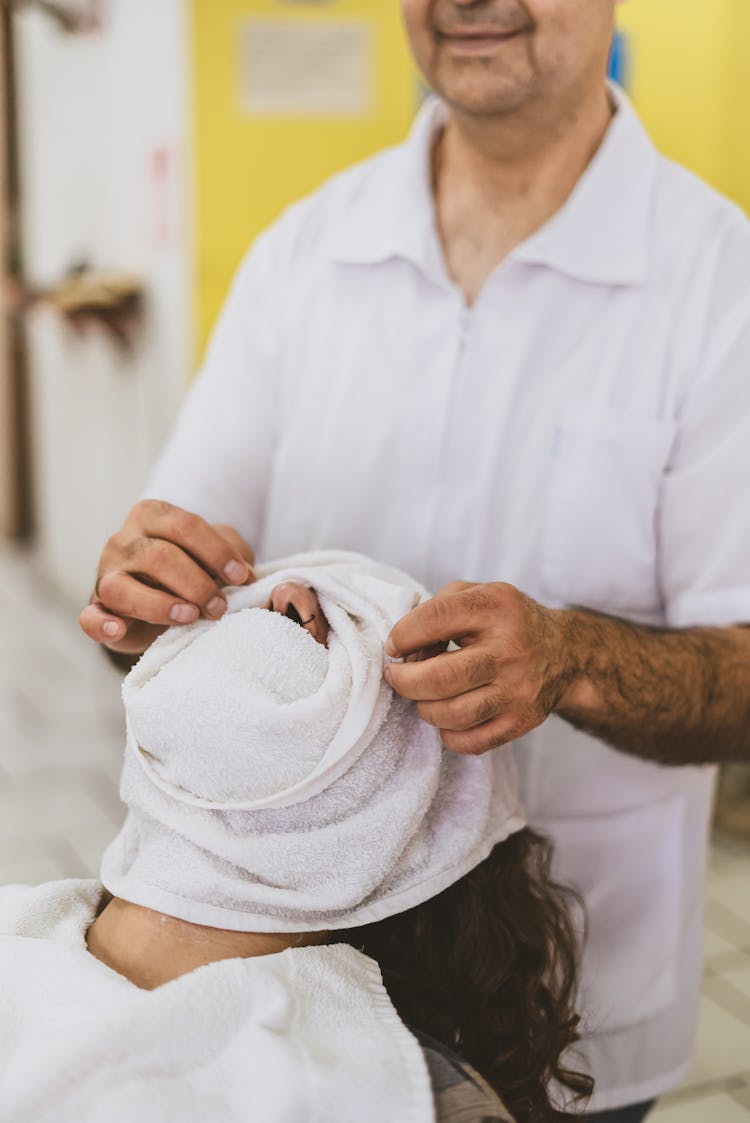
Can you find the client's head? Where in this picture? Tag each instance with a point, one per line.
(275, 784)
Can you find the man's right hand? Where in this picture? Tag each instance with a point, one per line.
(166, 566)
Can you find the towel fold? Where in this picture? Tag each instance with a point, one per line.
(276, 784)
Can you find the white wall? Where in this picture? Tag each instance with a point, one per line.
(101, 116)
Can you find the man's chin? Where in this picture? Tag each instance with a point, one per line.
(475, 99)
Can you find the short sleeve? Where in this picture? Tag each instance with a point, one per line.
(216, 462)
(704, 514)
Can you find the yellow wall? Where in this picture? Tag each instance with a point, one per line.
(249, 167)
(691, 83)
(738, 135)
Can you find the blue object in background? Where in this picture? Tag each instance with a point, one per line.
(619, 60)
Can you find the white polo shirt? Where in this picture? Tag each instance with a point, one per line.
(583, 431)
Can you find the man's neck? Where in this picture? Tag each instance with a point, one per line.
(150, 948)
(497, 181)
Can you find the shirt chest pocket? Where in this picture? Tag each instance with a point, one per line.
(599, 532)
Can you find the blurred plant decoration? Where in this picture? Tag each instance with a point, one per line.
(87, 298)
(70, 16)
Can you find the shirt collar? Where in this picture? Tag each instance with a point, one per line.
(600, 235)
(394, 214)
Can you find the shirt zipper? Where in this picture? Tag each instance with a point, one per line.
(464, 327)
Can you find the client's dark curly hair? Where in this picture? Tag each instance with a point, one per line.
(490, 968)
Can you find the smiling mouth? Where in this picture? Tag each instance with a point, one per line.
(477, 40)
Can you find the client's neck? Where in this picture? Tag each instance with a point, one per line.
(150, 948)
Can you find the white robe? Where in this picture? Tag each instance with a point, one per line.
(308, 1035)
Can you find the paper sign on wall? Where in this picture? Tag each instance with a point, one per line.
(308, 68)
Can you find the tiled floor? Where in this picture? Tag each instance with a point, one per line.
(61, 736)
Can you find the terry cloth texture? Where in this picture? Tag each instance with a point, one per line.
(306, 1034)
(277, 784)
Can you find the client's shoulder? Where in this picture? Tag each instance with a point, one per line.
(461, 1095)
(54, 910)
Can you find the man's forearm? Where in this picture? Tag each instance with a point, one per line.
(670, 696)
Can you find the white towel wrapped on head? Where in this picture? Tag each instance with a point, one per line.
(277, 784)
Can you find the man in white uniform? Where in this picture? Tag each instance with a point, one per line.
(514, 351)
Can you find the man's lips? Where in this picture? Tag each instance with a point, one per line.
(479, 38)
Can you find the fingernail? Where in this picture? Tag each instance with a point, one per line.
(111, 628)
(216, 606)
(390, 648)
(236, 572)
(388, 676)
(183, 614)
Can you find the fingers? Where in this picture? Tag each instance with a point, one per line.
(166, 566)
(210, 547)
(443, 676)
(130, 637)
(235, 539)
(426, 653)
(461, 733)
(160, 584)
(504, 680)
(473, 742)
(477, 707)
(459, 610)
(123, 595)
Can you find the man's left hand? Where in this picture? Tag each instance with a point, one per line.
(508, 675)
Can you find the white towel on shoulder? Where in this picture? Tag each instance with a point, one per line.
(305, 1035)
(276, 784)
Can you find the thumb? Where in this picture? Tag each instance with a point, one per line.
(119, 634)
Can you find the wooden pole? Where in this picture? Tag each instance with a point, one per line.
(15, 457)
